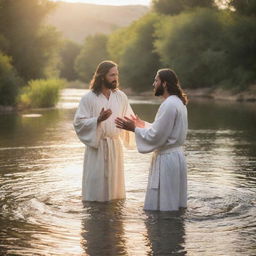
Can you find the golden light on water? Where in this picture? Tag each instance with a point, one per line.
(41, 172)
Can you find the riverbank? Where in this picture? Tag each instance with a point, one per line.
(209, 93)
(201, 93)
(248, 95)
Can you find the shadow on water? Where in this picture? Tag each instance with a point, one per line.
(103, 231)
(102, 228)
(166, 232)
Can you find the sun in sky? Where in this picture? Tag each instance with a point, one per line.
(110, 2)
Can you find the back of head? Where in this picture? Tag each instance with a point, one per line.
(99, 75)
(172, 83)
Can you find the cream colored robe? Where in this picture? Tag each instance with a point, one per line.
(103, 171)
(167, 184)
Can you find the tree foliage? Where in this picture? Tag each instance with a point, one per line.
(244, 7)
(174, 7)
(241, 48)
(190, 44)
(28, 48)
(209, 48)
(9, 81)
(93, 52)
(68, 55)
(136, 56)
(30, 45)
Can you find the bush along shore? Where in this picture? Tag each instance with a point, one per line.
(40, 93)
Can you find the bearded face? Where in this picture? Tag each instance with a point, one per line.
(159, 91)
(110, 85)
(110, 80)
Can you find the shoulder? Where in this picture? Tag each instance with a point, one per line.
(174, 101)
(171, 101)
(171, 105)
(88, 98)
(121, 94)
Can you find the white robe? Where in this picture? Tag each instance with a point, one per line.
(167, 183)
(103, 171)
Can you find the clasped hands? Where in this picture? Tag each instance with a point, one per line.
(125, 123)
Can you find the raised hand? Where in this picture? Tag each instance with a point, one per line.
(104, 115)
(125, 123)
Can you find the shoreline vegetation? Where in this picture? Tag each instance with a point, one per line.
(218, 94)
(40, 93)
(249, 95)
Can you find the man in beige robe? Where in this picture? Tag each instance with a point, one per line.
(103, 170)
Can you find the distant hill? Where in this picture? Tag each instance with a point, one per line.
(78, 20)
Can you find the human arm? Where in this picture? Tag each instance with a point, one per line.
(156, 135)
(88, 128)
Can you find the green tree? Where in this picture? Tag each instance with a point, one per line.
(133, 49)
(209, 48)
(244, 7)
(68, 55)
(139, 61)
(119, 40)
(9, 81)
(193, 45)
(174, 7)
(93, 52)
(30, 45)
(241, 51)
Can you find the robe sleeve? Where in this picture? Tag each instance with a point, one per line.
(128, 137)
(87, 129)
(156, 135)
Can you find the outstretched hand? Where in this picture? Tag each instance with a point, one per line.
(138, 122)
(125, 123)
(104, 115)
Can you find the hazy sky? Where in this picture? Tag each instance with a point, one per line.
(110, 2)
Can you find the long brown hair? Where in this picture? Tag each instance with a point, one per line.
(100, 74)
(173, 86)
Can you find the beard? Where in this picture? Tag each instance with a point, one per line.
(160, 90)
(110, 85)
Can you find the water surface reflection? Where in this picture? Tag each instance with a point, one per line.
(41, 212)
(102, 229)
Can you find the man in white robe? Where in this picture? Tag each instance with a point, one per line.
(103, 170)
(167, 184)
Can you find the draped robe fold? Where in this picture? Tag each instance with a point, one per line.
(167, 182)
(103, 171)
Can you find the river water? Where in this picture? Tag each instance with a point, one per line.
(41, 212)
